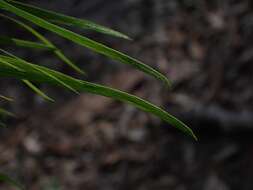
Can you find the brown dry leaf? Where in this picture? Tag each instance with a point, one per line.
(112, 158)
(82, 110)
(197, 51)
(176, 37)
(124, 80)
(183, 70)
(63, 148)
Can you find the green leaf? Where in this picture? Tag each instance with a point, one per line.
(24, 43)
(10, 181)
(6, 98)
(38, 91)
(37, 68)
(86, 42)
(10, 65)
(33, 73)
(47, 42)
(67, 20)
(4, 112)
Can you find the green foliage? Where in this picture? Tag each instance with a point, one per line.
(15, 67)
(10, 181)
(41, 74)
(32, 74)
(67, 20)
(25, 43)
(4, 112)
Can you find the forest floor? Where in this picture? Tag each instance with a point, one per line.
(91, 142)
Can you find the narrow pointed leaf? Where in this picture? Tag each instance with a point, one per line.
(47, 42)
(37, 90)
(67, 20)
(40, 70)
(10, 181)
(10, 65)
(6, 98)
(4, 112)
(86, 42)
(35, 75)
(24, 43)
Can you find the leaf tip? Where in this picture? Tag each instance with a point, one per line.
(167, 82)
(191, 134)
(127, 38)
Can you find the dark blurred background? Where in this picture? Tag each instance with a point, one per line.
(94, 143)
